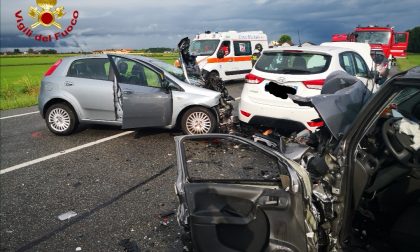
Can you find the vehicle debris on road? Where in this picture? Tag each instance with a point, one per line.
(67, 215)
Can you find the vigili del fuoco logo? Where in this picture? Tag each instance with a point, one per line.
(46, 14)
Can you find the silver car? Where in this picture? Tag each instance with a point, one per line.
(126, 91)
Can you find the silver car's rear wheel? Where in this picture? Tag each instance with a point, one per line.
(61, 119)
(198, 120)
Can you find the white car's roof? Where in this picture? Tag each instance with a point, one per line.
(315, 48)
(362, 48)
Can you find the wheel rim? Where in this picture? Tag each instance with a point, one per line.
(59, 119)
(198, 123)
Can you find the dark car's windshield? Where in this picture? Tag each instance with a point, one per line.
(204, 47)
(293, 62)
(373, 37)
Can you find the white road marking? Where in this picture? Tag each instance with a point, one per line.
(237, 98)
(38, 160)
(7, 117)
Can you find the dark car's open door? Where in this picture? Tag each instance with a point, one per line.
(236, 195)
(141, 92)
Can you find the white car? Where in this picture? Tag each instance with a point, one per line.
(302, 68)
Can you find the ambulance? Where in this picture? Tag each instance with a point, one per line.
(226, 54)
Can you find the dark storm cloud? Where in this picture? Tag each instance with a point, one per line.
(18, 41)
(138, 24)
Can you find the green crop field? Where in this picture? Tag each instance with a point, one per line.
(20, 77)
(412, 60)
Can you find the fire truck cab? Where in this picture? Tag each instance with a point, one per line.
(226, 54)
(393, 44)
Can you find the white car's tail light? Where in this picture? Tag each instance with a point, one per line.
(314, 84)
(246, 114)
(53, 67)
(316, 124)
(253, 79)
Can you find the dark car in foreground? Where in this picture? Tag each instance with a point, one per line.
(238, 195)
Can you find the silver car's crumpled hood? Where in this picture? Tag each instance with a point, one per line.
(195, 95)
(339, 110)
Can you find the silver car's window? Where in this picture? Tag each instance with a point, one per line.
(175, 71)
(293, 62)
(97, 69)
(132, 72)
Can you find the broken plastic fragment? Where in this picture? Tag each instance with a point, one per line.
(78, 249)
(165, 221)
(66, 216)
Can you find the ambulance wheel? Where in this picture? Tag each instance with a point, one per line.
(214, 75)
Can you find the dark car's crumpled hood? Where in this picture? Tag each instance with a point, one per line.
(339, 110)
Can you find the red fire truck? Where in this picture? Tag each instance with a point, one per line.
(392, 44)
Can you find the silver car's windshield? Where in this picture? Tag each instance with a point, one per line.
(175, 71)
(204, 47)
(373, 37)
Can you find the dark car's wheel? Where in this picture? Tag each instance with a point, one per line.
(61, 119)
(198, 120)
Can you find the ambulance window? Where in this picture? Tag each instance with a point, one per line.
(225, 47)
(242, 48)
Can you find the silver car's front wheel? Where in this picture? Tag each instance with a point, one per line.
(198, 120)
(61, 119)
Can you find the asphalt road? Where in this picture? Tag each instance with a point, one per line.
(119, 188)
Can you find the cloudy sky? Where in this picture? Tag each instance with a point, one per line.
(142, 24)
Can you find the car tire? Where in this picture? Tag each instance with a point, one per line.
(198, 120)
(214, 74)
(61, 119)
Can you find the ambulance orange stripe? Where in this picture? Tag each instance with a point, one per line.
(229, 59)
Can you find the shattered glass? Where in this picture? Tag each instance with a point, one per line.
(225, 159)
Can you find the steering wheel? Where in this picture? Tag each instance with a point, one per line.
(399, 144)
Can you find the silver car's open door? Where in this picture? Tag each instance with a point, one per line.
(236, 195)
(142, 93)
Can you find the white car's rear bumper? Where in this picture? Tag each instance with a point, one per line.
(259, 111)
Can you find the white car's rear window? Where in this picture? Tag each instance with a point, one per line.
(293, 62)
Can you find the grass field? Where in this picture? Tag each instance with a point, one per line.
(413, 59)
(20, 77)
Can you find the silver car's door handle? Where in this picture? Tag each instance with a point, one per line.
(127, 92)
(68, 83)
